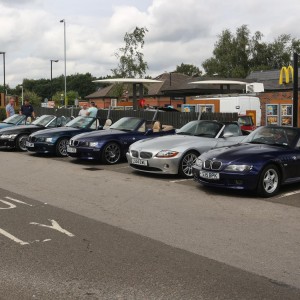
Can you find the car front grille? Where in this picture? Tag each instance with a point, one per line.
(135, 153)
(142, 154)
(212, 165)
(146, 155)
(76, 143)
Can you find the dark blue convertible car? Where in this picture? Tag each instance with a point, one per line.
(268, 158)
(111, 145)
(55, 140)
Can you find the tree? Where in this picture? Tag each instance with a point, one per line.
(188, 69)
(236, 55)
(131, 60)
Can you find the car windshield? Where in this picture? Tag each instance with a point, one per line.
(80, 122)
(43, 120)
(273, 136)
(201, 128)
(15, 119)
(126, 124)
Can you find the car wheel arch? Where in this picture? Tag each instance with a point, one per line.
(189, 151)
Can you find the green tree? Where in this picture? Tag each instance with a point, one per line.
(236, 55)
(131, 60)
(71, 96)
(188, 69)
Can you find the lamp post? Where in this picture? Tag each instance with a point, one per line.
(51, 61)
(21, 86)
(65, 58)
(3, 71)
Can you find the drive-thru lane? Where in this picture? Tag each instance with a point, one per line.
(83, 230)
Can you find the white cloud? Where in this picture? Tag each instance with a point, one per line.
(179, 31)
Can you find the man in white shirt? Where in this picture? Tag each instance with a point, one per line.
(84, 111)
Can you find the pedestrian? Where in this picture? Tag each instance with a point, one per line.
(92, 111)
(84, 111)
(10, 109)
(27, 110)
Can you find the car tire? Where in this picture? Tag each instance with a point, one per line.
(21, 142)
(269, 181)
(111, 153)
(61, 147)
(186, 163)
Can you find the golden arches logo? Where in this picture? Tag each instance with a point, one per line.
(284, 76)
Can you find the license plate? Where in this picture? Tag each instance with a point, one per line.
(210, 175)
(140, 162)
(30, 145)
(71, 149)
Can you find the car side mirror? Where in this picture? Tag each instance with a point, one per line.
(100, 127)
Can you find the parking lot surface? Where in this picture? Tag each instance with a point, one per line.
(83, 230)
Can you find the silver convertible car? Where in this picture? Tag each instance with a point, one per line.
(176, 154)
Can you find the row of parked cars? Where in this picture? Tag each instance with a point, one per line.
(217, 154)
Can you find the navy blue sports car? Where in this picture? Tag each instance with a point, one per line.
(55, 140)
(111, 145)
(268, 158)
(13, 121)
(16, 136)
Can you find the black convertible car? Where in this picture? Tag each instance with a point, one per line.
(16, 136)
(111, 145)
(55, 140)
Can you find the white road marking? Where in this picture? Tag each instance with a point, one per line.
(13, 238)
(10, 205)
(289, 194)
(18, 201)
(54, 226)
(180, 180)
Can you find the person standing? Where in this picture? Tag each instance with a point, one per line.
(10, 107)
(84, 111)
(92, 111)
(27, 109)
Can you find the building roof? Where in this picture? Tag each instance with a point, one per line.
(270, 79)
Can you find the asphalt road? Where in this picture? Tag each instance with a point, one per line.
(72, 230)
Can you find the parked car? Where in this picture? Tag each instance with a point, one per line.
(111, 145)
(16, 136)
(246, 122)
(13, 121)
(55, 140)
(176, 154)
(268, 158)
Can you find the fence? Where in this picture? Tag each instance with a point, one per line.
(176, 119)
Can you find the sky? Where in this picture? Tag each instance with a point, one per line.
(179, 31)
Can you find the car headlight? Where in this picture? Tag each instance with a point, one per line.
(93, 144)
(166, 153)
(199, 163)
(49, 140)
(8, 136)
(238, 168)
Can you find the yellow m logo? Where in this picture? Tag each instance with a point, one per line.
(284, 76)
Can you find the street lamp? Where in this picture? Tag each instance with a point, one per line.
(65, 57)
(3, 71)
(21, 86)
(51, 61)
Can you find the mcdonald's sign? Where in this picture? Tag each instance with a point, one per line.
(285, 74)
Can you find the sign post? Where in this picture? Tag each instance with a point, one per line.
(295, 91)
